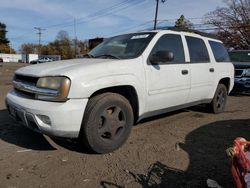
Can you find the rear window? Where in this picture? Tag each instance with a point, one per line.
(219, 51)
(197, 50)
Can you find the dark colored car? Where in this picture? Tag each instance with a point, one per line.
(241, 61)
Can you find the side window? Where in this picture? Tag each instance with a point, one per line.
(172, 43)
(219, 51)
(197, 50)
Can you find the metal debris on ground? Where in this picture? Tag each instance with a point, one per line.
(24, 150)
(213, 184)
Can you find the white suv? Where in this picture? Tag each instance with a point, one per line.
(123, 80)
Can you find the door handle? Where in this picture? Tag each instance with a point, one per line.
(211, 70)
(184, 72)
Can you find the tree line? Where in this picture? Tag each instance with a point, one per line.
(63, 45)
(231, 24)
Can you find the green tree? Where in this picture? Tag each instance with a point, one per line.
(4, 42)
(232, 23)
(3, 31)
(183, 23)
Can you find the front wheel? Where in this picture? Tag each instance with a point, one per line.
(107, 122)
(219, 101)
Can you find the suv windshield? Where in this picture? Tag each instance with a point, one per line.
(123, 46)
(240, 56)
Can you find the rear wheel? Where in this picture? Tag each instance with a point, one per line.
(107, 122)
(219, 101)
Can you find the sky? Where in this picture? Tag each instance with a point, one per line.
(87, 19)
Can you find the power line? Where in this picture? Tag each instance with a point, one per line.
(111, 11)
(99, 14)
(95, 15)
(75, 36)
(128, 28)
(70, 22)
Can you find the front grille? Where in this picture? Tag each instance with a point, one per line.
(30, 80)
(26, 79)
(238, 72)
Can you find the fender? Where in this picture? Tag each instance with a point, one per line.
(87, 88)
(225, 70)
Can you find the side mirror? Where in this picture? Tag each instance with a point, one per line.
(161, 57)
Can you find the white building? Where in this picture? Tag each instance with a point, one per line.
(11, 57)
(26, 58)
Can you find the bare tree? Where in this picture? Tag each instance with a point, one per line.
(233, 23)
(62, 35)
(62, 45)
(29, 48)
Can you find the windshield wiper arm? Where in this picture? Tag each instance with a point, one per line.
(88, 56)
(108, 56)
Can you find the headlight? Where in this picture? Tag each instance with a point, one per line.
(247, 72)
(54, 88)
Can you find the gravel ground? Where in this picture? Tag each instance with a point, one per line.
(179, 149)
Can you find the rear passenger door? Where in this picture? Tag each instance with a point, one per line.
(201, 68)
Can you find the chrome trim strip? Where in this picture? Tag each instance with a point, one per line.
(33, 89)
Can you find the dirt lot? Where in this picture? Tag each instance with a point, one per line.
(180, 149)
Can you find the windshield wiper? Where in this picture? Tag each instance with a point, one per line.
(88, 56)
(108, 56)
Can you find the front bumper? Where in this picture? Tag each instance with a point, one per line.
(242, 84)
(65, 118)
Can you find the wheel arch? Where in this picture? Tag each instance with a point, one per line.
(225, 81)
(127, 91)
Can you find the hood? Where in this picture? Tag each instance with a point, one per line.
(58, 68)
(241, 65)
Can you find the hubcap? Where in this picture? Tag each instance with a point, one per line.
(220, 100)
(111, 123)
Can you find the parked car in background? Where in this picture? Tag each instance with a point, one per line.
(45, 59)
(241, 61)
(41, 60)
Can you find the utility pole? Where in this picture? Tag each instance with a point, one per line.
(39, 29)
(10, 47)
(75, 37)
(156, 12)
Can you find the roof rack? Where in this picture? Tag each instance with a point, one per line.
(210, 35)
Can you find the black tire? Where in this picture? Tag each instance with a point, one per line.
(219, 101)
(107, 122)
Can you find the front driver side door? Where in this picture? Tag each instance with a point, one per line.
(168, 83)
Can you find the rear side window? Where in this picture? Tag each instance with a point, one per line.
(172, 43)
(197, 50)
(219, 51)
